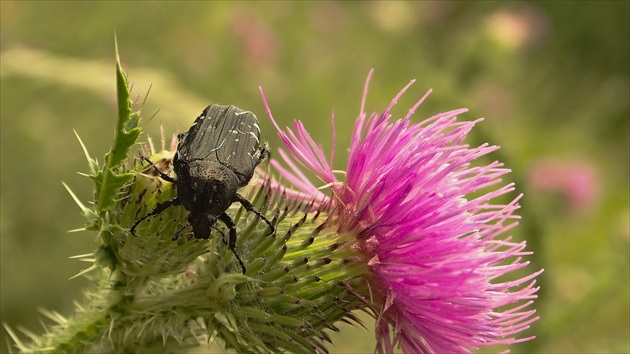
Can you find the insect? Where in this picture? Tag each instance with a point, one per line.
(213, 160)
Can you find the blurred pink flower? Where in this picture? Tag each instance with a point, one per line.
(259, 43)
(434, 254)
(575, 180)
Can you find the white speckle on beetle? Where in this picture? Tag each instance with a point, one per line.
(254, 136)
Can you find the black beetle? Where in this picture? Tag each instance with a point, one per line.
(213, 160)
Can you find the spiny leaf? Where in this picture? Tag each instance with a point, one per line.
(109, 181)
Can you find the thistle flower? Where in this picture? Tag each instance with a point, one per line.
(436, 256)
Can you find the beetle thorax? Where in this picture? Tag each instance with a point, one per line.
(205, 186)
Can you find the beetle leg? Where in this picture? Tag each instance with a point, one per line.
(221, 232)
(163, 175)
(158, 209)
(227, 220)
(249, 207)
(263, 154)
(176, 235)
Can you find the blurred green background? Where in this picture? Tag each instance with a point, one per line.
(551, 79)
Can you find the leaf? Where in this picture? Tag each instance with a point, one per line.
(109, 180)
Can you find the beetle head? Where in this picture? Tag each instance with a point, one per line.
(201, 224)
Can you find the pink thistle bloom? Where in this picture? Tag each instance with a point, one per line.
(437, 257)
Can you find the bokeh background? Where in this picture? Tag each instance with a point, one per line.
(551, 79)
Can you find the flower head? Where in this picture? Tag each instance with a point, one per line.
(434, 253)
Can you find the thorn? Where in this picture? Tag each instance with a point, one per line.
(77, 230)
(116, 49)
(85, 271)
(13, 336)
(81, 255)
(85, 151)
(76, 199)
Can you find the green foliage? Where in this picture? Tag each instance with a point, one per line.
(109, 180)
